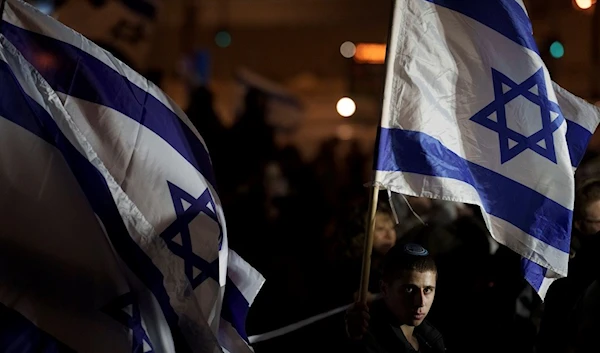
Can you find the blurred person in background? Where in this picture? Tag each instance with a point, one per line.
(251, 142)
(587, 208)
(586, 321)
(202, 114)
(384, 238)
(564, 293)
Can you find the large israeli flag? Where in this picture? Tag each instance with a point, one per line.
(471, 115)
(113, 237)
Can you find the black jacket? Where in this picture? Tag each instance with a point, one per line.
(384, 337)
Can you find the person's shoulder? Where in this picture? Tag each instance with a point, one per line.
(432, 336)
(589, 303)
(427, 329)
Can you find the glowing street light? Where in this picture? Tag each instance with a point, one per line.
(347, 49)
(557, 50)
(584, 4)
(223, 39)
(346, 107)
(370, 53)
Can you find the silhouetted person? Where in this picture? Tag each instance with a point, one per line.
(564, 293)
(202, 114)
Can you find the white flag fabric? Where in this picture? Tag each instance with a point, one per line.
(113, 234)
(471, 115)
(582, 121)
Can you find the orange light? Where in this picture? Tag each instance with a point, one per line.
(584, 4)
(370, 53)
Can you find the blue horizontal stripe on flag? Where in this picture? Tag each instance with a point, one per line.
(72, 71)
(502, 197)
(18, 334)
(533, 273)
(578, 139)
(17, 107)
(506, 17)
(235, 308)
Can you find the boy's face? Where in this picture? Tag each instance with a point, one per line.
(409, 296)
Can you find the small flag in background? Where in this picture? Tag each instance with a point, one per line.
(471, 115)
(127, 27)
(113, 234)
(285, 111)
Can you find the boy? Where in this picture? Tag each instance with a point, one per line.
(397, 322)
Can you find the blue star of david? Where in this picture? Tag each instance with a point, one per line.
(140, 342)
(506, 135)
(181, 227)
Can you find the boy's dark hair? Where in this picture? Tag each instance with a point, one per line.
(407, 257)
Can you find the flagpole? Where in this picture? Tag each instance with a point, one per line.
(374, 193)
(2, 4)
(368, 245)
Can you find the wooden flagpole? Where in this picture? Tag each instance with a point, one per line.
(368, 245)
(374, 193)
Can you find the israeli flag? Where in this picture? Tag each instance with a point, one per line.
(113, 237)
(471, 115)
